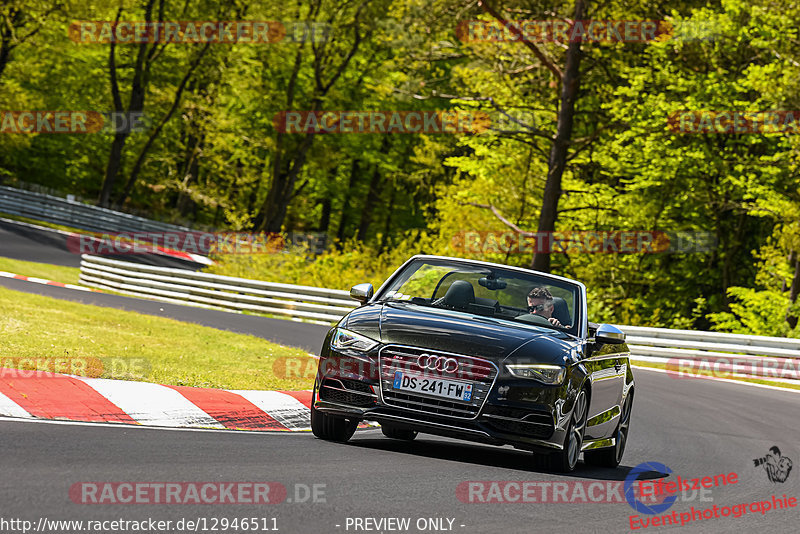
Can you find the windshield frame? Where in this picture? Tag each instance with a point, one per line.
(580, 289)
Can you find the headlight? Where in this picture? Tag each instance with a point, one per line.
(549, 374)
(345, 339)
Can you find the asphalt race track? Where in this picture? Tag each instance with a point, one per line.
(697, 428)
(22, 242)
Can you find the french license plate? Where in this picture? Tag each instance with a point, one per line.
(438, 387)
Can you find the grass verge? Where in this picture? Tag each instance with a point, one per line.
(44, 333)
(57, 273)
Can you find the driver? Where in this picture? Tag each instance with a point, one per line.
(540, 302)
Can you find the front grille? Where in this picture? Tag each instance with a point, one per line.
(356, 386)
(536, 424)
(481, 373)
(524, 428)
(349, 392)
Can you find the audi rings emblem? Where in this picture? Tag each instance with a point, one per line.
(437, 363)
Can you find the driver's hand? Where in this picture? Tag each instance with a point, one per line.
(555, 322)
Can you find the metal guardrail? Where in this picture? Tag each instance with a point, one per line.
(658, 335)
(683, 350)
(215, 291)
(74, 214)
(689, 353)
(57, 210)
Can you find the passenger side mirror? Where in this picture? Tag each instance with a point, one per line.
(608, 334)
(361, 293)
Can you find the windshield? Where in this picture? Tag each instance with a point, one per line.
(488, 291)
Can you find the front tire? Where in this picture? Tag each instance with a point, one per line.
(565, 460)
(330, 427)
(612, 456)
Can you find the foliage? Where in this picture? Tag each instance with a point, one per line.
(339, 268)
(756, 312)
(219, 160)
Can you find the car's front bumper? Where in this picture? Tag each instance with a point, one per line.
(519, 412)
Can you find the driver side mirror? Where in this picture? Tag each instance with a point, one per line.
(361, 293)
(608, 334)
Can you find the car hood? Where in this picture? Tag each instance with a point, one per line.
(460, 333)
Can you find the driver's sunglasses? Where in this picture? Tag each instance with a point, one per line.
(539, 308)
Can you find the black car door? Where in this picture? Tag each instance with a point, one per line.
(607, 367)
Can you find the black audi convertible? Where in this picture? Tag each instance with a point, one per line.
(482, 352)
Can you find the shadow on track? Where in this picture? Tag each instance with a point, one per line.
(486, 455)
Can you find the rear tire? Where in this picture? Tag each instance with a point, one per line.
(398, 433)
(565, 460)
(612, 456)
(330, 427)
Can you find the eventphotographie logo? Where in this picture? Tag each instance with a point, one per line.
(634, 500)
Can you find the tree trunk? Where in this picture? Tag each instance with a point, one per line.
(285, 174)
(794, 290)
(344, 219)
(137, 166)
(388, 223)
(570, 84)
(281, 190)
(5, 54)
(217, 215)
(373, 197)
(325, 202)
(141, 74)
(191, 173)
(325, 218)
(112, 168)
